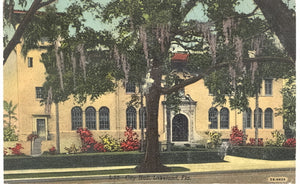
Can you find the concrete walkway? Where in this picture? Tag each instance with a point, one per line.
(231, 163)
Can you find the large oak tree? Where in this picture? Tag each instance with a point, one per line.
(140, 48)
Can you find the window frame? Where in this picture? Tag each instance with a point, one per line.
(214, 123)
(247, 118)
(142, 117)
(30, 62)
(39, 92)
(269, 87)
(90, 118)
(260, 125)
(222, 115)
(104, 120)
(271, 120)
(131, 117)
(130, 87)
(75, 125)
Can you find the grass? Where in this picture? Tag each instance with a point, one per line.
(82, 173)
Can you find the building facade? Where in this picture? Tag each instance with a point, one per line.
(24, 78)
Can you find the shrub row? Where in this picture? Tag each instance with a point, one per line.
(104, 159)
(266, 153)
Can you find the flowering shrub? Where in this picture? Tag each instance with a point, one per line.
(72, 149)
(31, 137)
(89, 144)
(279, 139)
(9, 133)
(52, 150)
(290, 142)
(17, 149)
(237, 136)
(98, 147)
(214, 139)
(131, 143)
(110, 144)
(252, 142)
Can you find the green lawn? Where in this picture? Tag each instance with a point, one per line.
(82, 173)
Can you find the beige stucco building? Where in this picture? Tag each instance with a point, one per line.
(24, 77)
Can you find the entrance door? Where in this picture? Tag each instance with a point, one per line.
(41, 128)
(180, 129)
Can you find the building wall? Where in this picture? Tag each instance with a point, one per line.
(20, 82)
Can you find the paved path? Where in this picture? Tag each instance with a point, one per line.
(231, 165)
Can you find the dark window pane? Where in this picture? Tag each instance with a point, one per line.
(224, 118)
(130, 87)
(76, 116)
(142, 114)
(213, 118)
(104, 118)
(131, 117)
(39, 92)
(90, 118)
(247, 118)
(268, 118)
(268, 86)
(30, 62)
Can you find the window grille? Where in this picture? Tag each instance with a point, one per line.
(224, 118)
(76, 116)
(268, 118)
(90, 118)
(131, 117)
(213, 118)
(104, 118)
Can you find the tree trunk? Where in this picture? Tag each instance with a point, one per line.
(256, 118)
(142, 121)
(282, 22)
(57, 128)
(168, 129)
(151, 161)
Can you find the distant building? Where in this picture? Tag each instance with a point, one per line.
(24, 78)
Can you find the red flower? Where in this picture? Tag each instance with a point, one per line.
(290, 142)
(252, 142)
(237, 136)
(131, 143)
(16, 149)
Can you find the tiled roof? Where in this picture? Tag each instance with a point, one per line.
(180, 57)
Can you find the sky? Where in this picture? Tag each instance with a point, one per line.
(197, 13)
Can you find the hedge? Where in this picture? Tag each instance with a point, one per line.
(265, 153)
(105, 159)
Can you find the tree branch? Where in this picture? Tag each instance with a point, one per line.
(45, 3)
(212, 68)
(37, 4)
(282, 22)
(192, 80)
(188, 6)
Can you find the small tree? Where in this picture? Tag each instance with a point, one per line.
(9, 130)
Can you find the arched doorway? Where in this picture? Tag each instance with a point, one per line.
(180, 129)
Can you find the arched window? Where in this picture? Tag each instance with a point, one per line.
(142, 114)
(213, 118)
(76, 117)
(224, 118)
(104, 118)
(247, 118)
(131, 117)
(259, 118)
(268, 118)
(130, 87)
(90, 118)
